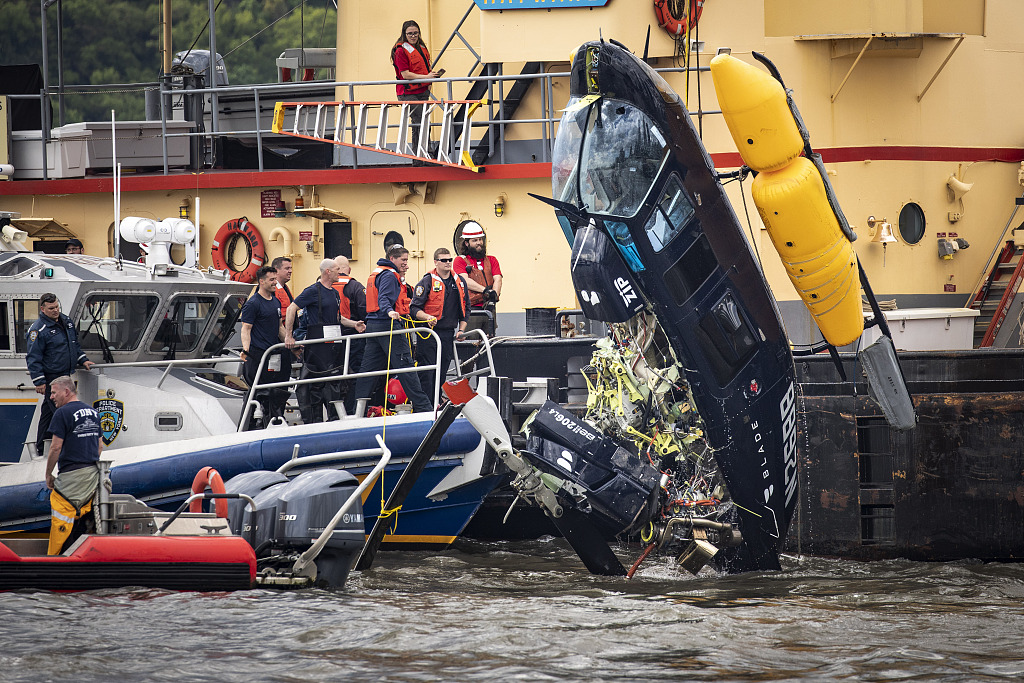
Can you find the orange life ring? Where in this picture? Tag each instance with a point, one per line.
(209, 477)
(677, 26)
(241, 228)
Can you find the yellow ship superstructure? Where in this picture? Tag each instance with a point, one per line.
(899, 96)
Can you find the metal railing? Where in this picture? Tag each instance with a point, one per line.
(347, 374)
(354, 91)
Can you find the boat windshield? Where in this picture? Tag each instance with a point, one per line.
(183, 324)
(566, 153)
(619, 151)
(115, 322)
(224, 326)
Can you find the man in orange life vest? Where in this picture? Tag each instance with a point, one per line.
(483, 274)
(441, 299)
(283, 266)
(387, 301)
(353, 306)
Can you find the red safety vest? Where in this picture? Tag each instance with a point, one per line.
(372, 305)
(435, 300)
(346, 306)
(284, 295)
(419, 60)
(482, 276)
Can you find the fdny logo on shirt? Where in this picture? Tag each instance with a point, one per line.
(111, 412)
(436, 285)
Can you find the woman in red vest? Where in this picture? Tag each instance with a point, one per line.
(411, 60)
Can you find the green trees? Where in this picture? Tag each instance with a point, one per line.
(118, 41)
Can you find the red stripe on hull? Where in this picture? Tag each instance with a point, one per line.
(404, 174)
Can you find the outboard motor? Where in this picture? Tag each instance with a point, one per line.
(252, 484)
(616, 484)
(289, 517)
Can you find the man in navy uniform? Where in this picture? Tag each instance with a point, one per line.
(261, 329)
(387, 301)
(53, 351)
(442, 300)
(322, 306)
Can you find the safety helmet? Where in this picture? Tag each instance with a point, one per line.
(472, 230)
(396, 394)
(464, 231)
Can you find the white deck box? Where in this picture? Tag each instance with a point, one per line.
(139, 144)
(928, 329)
(66, 153)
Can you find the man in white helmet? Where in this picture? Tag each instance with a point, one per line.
(483, 274)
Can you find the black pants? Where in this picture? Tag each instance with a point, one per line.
(46, 411)
(415, 116)
(321, 360)
(271, 400)
(355, 362)
(375, 357)
(426, 354)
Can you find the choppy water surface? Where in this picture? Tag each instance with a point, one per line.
(530, 612)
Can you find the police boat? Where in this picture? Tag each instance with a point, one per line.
(168, 391)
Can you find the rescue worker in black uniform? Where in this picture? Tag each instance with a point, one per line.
(53, 351)
(262, 328)
(322, 306)
(442, 300)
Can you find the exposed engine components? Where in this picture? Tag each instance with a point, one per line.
(637, 463)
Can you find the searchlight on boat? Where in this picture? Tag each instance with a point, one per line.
(158, 236)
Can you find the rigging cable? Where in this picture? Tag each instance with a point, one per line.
(270, 25)
(746, 212)
(200, 35)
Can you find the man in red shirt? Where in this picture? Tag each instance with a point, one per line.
(483, 275)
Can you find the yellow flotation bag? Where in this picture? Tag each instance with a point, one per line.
(755, 109)
(63, 516)
(819, 259)
(790, 195)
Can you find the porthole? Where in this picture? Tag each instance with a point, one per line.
(911, 223)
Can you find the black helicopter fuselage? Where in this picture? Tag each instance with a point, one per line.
(651, 226)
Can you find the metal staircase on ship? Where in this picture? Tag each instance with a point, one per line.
(386, 126)
(998, 288)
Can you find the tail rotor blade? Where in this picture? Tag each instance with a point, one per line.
(588, 543)
(412, 472)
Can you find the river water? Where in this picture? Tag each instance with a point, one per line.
(528, 611)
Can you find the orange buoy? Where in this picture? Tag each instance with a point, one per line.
(677, 26)
(209, 477)
(239, 228)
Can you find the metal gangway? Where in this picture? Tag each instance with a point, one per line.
(369, 126)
